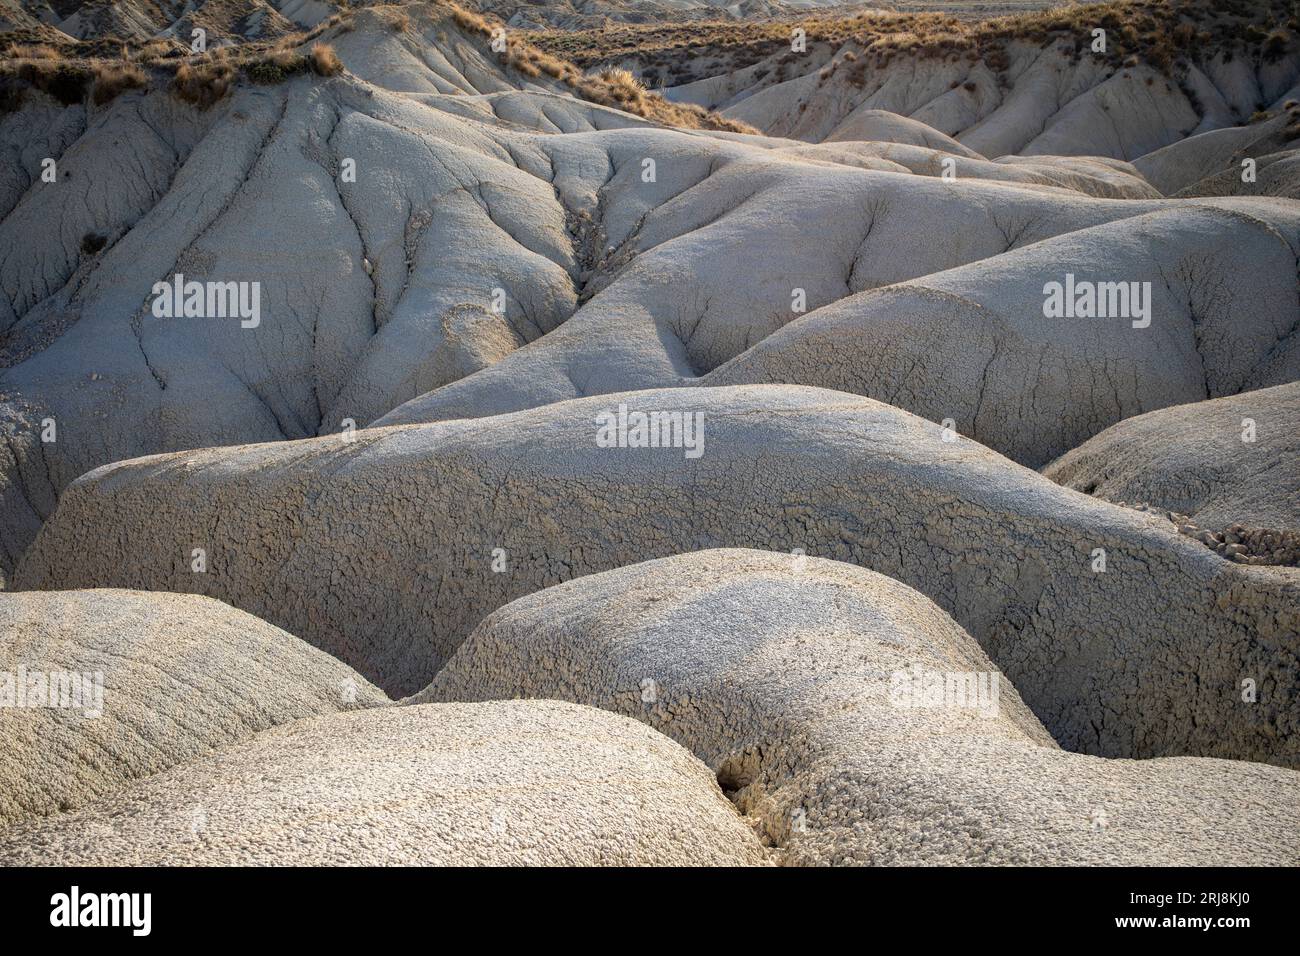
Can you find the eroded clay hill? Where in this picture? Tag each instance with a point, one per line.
(143, 20)
(388, 549)
(1044, 83)
(473, 237)
(1228, 465)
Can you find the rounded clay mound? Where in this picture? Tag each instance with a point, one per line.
(1232, 459)
(511, 783)
(388, 550)
(143, 682)
(808, 687)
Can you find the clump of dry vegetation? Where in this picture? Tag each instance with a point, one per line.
(204, 82)
(43, 67)
(113, 79)
(36, 51)
(469, 20)
(607, 85)
(276, 66)
(324, 61)
(72, 71)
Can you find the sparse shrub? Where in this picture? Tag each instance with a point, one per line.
(324, 60)
(40, 51)
(622, 84)
(1160, 54)
(467, 20)
(158, 49)
(276, 67)
(1276, 44)
(11, 95)
(553, 67)
(526, 67)
(289, 41)
(203, 83)
(93, 242)
(67, 82)
(112, 79)
(998, 60)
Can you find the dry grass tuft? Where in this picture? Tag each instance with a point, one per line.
(113, 79)
(37, 51)
(204, 82)
(622, 84)
(469, 20)
(66, 81)
(275, 67)
(324, 60)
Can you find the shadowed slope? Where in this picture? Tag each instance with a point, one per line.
(1230, 460)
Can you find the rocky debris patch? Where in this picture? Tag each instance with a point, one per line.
(1247, 545)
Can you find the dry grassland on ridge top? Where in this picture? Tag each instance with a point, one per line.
(974, 537)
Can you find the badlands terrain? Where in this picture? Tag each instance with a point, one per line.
(678, 433)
